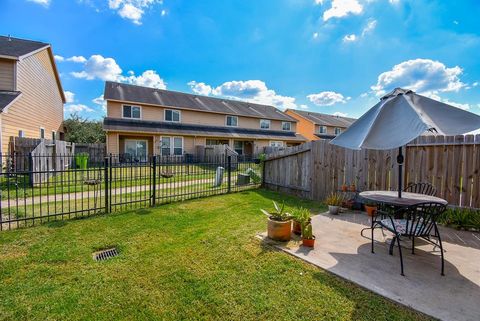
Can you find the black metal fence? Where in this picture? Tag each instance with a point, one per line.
(31, 195)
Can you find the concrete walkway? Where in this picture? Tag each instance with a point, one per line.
(341, 250)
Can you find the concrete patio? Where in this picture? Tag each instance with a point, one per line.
(341, 250)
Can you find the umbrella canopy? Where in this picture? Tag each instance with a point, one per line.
(402, 116)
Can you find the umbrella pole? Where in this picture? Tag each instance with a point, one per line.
(400, 166)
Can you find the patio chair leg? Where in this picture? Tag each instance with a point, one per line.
(372, 236)
(392, 243)
(413, 245)
(441, 251)
(401, 257)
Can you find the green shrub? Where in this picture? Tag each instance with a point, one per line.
(461, 218)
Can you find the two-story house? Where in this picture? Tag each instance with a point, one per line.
(146, 121)
(31, 95)
(314, 126)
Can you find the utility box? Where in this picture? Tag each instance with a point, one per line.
(219, 176)
(243, 179)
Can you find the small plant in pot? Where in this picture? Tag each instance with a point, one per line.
(344, 188)
(300, 216)
(334, 201)
(279, 223)
(370, 208)
(308, 239)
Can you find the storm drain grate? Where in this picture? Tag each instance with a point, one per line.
(105, 254)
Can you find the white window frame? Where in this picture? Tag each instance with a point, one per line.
(226, 121)
(290, 126)
(131, 112)
(172, 145)
(243, 146)
(337, 129)
(42, 129)
(172, 110)
(272, 143)
(135, 140)
(21, 133)
(269, 123)
(320, 129)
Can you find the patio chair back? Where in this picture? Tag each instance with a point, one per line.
(421, 218)
(421, 188)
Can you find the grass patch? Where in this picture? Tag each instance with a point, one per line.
(195, 260)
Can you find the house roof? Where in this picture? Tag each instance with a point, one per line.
(14, 48)
(7, 97)
(133, 125)
(167, 98)
(325, 119)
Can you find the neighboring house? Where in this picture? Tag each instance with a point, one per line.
(31, 95)
(316, 126)
(144, 121)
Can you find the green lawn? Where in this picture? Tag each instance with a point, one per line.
(194, 260)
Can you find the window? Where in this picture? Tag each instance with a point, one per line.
(171, 146)
(172, 115)
(42, 133)
(264, 124)
(286, 125)
(238, 147)
(21, 133)
(276, 144)
(232, 121)
(54, 135)
(216, 142)
(131, 112)
(322, 129)
(136, 148)
(338, 130)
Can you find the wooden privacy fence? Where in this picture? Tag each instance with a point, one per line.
(315, 169)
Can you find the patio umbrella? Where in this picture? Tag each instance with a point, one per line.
(402, 116)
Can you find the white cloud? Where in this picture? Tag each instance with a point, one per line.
(420, 75)
(320, 2)
(77, 108)
(327, 98)
(132, 9)
(371, 25)
(69, 96)
(149, 78)
(342, 8)
(98, 67)
(101, 102)
(340, 114)
(44, 3)
(255, 91)
(350, 38)
(77, 59)
(163, 13)
(315, 35)
(200, 88)
(455, 22)
(394, 1)
(59, 58)
(475, 84)
(303, 106)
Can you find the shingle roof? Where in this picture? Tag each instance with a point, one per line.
(191, 129)
(6, 97)
(168, 98)
(326, 119)
(15, 48)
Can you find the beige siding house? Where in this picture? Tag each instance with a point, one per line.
(31, 95)
(316, 126)
(146, 121)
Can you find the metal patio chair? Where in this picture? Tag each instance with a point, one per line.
(419, 221)
(421, 188)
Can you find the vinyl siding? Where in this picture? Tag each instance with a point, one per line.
(7, 74)
(41, 102)
(114, 109)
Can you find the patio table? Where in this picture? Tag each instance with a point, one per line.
(407, 199)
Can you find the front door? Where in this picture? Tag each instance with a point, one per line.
(136, 148)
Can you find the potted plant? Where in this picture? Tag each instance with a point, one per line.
(334, 200)
(300, 216)
(279, 223)
(353, 188)
(344, 188)
(308, 239)
(370, 208)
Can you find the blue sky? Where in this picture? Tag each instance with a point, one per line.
(331, 56)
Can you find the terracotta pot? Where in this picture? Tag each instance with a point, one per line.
(309, 242)
(353, 188)
(344, 188)
(297, 228)
(333, 209)
(370, 210)
(279, 231)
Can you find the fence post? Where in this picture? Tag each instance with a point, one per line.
(30, 169)
(110, 179)
(154, 181)
(106, 174)
(263, 172)
(229, 172)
